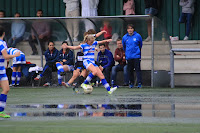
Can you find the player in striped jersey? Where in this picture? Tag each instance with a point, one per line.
(89, 61)
(17, 63)
(3, 77)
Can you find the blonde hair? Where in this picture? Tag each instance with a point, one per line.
(88, 38)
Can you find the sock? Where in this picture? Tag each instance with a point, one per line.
(59, 78)
(13, 77)
(105, 84)
(89, 78)
(3, 99)
(18, 77)
(59, 67)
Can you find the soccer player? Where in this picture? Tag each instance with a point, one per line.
(3, 77)
(89, 61)
(17, 63)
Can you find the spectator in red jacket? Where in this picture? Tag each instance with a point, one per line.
(108, 35)
(120, 58)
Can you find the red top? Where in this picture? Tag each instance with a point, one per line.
(120, 52)
(108, 29)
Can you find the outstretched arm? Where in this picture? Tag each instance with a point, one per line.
(104, 41)
(100, 33)
(7, 56)
(71, 47)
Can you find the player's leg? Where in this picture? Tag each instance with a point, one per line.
(14, 74)
(18, 74)
(59, 72)
(76, 73)
(3, 97)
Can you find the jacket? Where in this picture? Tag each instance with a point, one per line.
(120, 52)
(51, 57)
(132, 45)
(68, 55)
(105, 59)
(187, 6)
(152, 3)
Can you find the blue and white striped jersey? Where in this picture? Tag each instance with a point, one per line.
(88, 51)
(3, 46)
(12, 51)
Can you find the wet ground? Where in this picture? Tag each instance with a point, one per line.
(146, 105)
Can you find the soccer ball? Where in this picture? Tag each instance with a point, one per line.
(88, 90)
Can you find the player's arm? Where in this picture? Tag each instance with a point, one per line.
(100, 33)
(104, 41)
(71, 47)
(7, 56)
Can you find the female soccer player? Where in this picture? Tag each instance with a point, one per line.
(3, 77)
(89, 61)
(17, 63)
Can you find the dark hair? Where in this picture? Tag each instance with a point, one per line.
(64, 42)
(119, 39)
(1, 30)
(2, 11)
(18, 13)
(130, 25)
(39, 10)
(102, 44)
(52, 42)
(91, 31)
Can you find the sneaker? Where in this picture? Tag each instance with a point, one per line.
(131, 85)
(186, 38)
(11, 85)
(65, 84)
(84, 86)
(37, 78)
(76, 90)
(112, 89)
(46, 84)
(4, 115)
(148, 39)
(139, 85)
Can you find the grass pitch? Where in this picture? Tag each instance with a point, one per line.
(147, 123)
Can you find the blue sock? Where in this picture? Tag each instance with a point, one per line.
(3, 99)
(18, 77)
(59, 78)
(13, 77)
(105, 84)
(59, 67)
(89, 78)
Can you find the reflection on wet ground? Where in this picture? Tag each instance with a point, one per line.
(172, 110)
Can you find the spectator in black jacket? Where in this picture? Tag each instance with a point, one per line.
(52, 56)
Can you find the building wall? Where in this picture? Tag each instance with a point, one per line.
(169, 12)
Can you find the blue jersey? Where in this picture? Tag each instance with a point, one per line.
(3, 46)
(12, 51)
(88, 51)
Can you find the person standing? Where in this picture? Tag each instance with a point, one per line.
(89, 8)
(3, 77)
(122, 66)
(17, 65)
(17, 31)
(151, 8)
(186, 15)
(129, 7)
(132, 45)
(72, 10)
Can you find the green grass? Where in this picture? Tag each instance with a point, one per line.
(26, 96)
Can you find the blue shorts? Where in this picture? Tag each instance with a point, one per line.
(151, 11)
(87, 63)
(3, 77)
(19, 60)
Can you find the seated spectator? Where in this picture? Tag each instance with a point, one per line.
(51, 56)
(17, 64)
(65, 62)
(106, 60)
(129, 7)
(108, 35)
(17, 31)
(120, 58)
(42, 29)
(186, 15)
